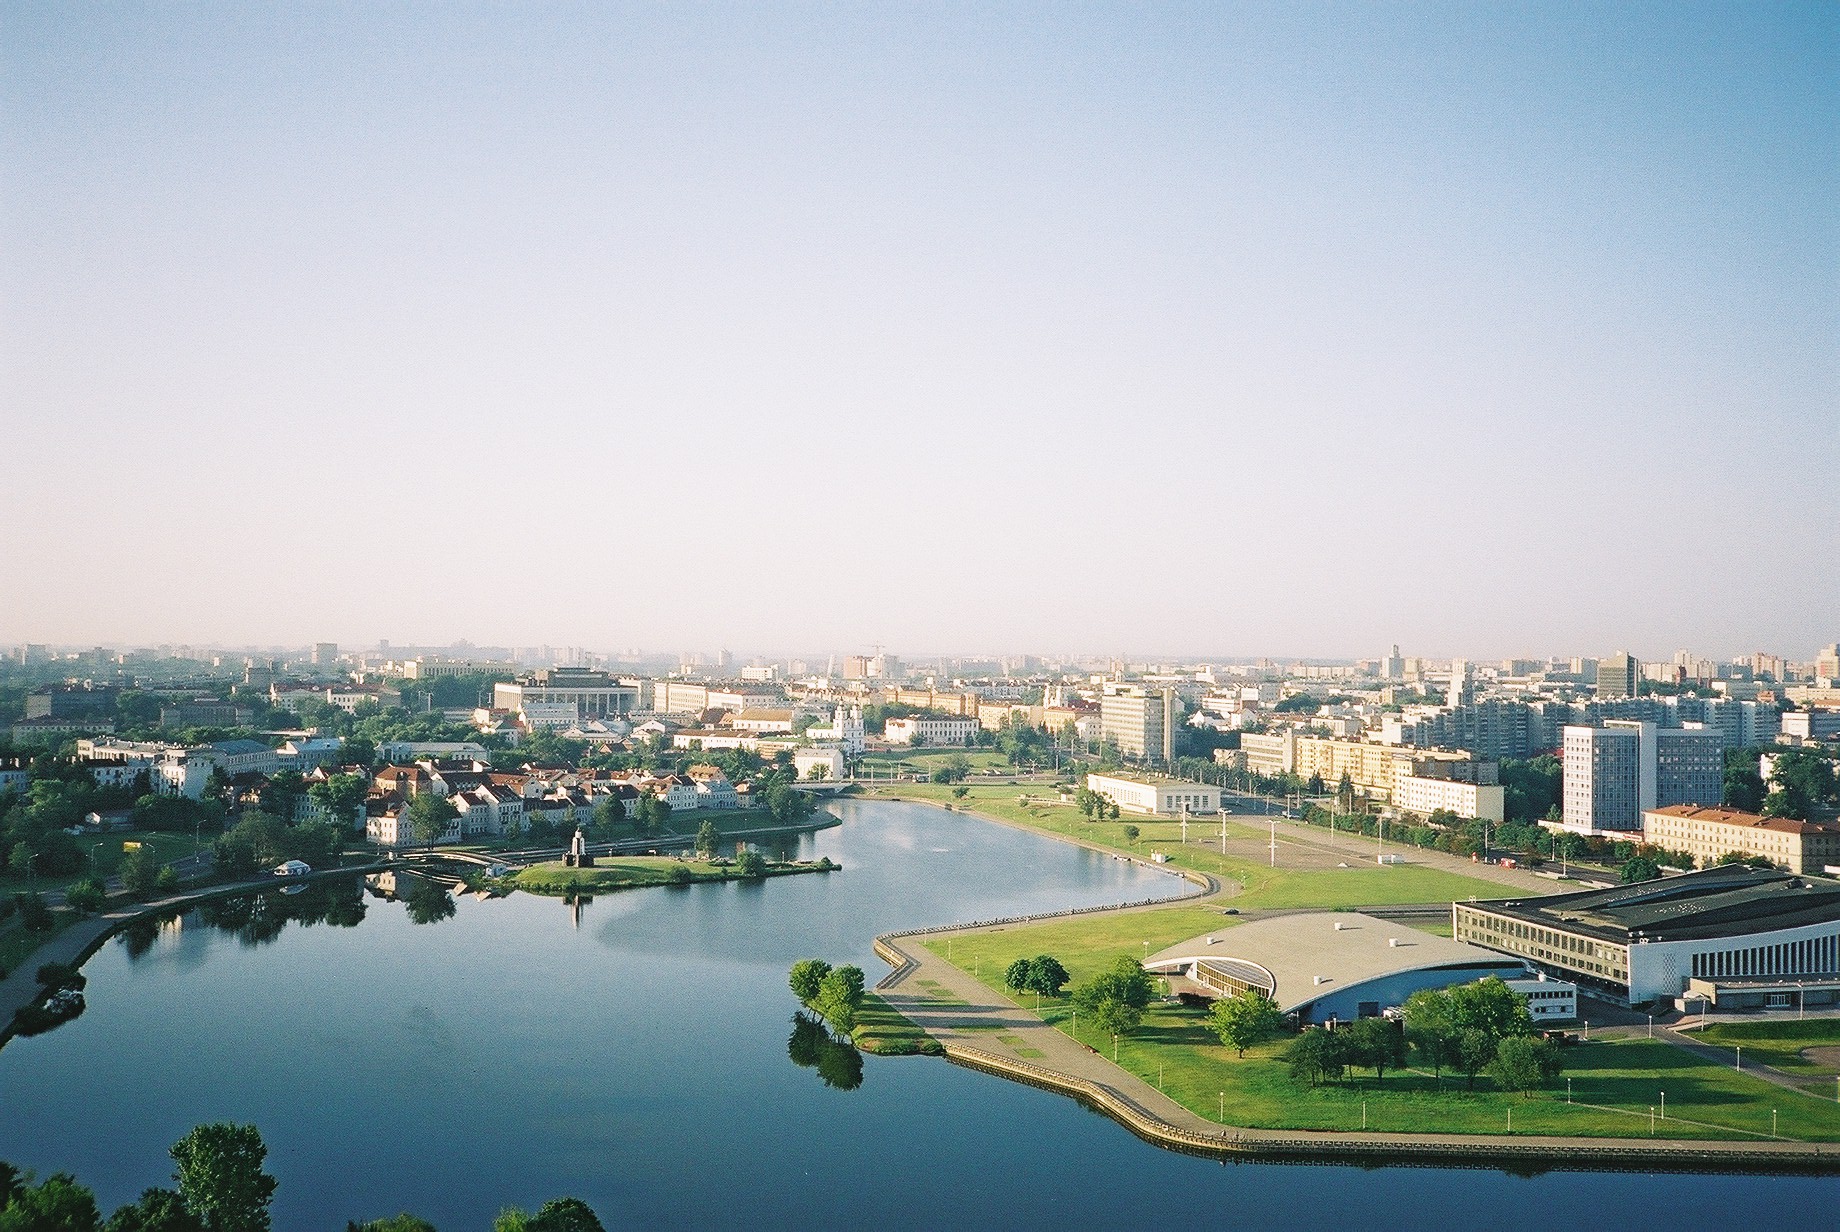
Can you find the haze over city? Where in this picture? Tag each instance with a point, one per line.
(1290, 331)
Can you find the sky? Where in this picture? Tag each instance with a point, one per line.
(1484, 329)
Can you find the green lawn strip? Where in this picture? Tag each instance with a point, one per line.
(1029, 1054)
(622, 872)
(1614, 1084)
(1779, 1045)
(880, 1028)
(928, 761)
(1085, 944)
(1358, 885)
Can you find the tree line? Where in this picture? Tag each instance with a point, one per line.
(219, 1185)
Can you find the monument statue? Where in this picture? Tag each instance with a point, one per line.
(578, 856)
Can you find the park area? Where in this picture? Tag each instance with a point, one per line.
(629, 872)
(1609, 1088)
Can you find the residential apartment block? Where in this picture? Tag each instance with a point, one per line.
(1709, 833)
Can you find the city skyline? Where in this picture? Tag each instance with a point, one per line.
(1295, 329)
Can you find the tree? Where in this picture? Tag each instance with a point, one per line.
(1244, 1019)
(840, 995)
(1376, 1043)
(159, 1210)
(1640, 868)
(1430, 1026)
(86, 897)
(751, 864)
(1743, 787)
(1130, 834)
(960, 792)
(1491, 1007)
(1046, 975)
(58, 1204)
(219, 1171)
(139, 869)
(404, 1222)
(1115, 1017)
(1317, 1056)
(340, 796)
(805, 977)
(953, 769)
(707, 840)
(1017, 975)
(556, 1215)
(788, 805)
(1473, 1049)
(1126, 982)
(609, 814)
(430, 816)
(1524, 1064)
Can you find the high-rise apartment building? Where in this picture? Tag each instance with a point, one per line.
(325, 654)
(1613, 773)
(1827, 663)
(1140, 721)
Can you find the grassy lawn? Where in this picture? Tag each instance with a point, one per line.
(927, 760)
(1263, 886)
(1779, 1044)
(108, 851)
(1085, 945)
(623, 872)
(1613, 1082)
(880, 1029)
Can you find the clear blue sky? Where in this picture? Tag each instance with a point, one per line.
(1295, 329)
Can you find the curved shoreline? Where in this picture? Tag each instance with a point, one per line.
(1159, 1120)
(75, 945)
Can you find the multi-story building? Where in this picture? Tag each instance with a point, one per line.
(325, 654)
(1141, 722)
(844, 730)
(1416, 794)
(1152, 795)
(1827, 664)
(1805, 725)
(597, 694)
(930, 729)
(1617, 676)
(58, 702)
(1709, 833)
(1615, 772)
(1726, 934)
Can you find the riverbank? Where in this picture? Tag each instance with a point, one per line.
(75, 942)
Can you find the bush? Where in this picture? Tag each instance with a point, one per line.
(86, 897)
(34, 915)
(679, 875)
(54, 975)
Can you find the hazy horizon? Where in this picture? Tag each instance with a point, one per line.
(1484, 330)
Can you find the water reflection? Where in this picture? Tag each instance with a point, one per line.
(257, 919)
(811, 1046)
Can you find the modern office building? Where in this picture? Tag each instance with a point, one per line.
(1708, 833)
(1732, 927)
(1615, 772)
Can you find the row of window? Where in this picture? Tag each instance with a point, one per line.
(1813, 956)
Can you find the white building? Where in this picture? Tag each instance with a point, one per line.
(1548, 1001)
(845, 729)
(931, 729)
(1416, 794)
(404, 751)
(828, 762)
(762, 722)
(1155, 796)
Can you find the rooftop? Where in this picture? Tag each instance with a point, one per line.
(1750, 821)
(1288, 954)
(1715, 902)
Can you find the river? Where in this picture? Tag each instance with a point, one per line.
(634, 1053)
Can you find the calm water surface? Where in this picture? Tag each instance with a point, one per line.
(636, 1056)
